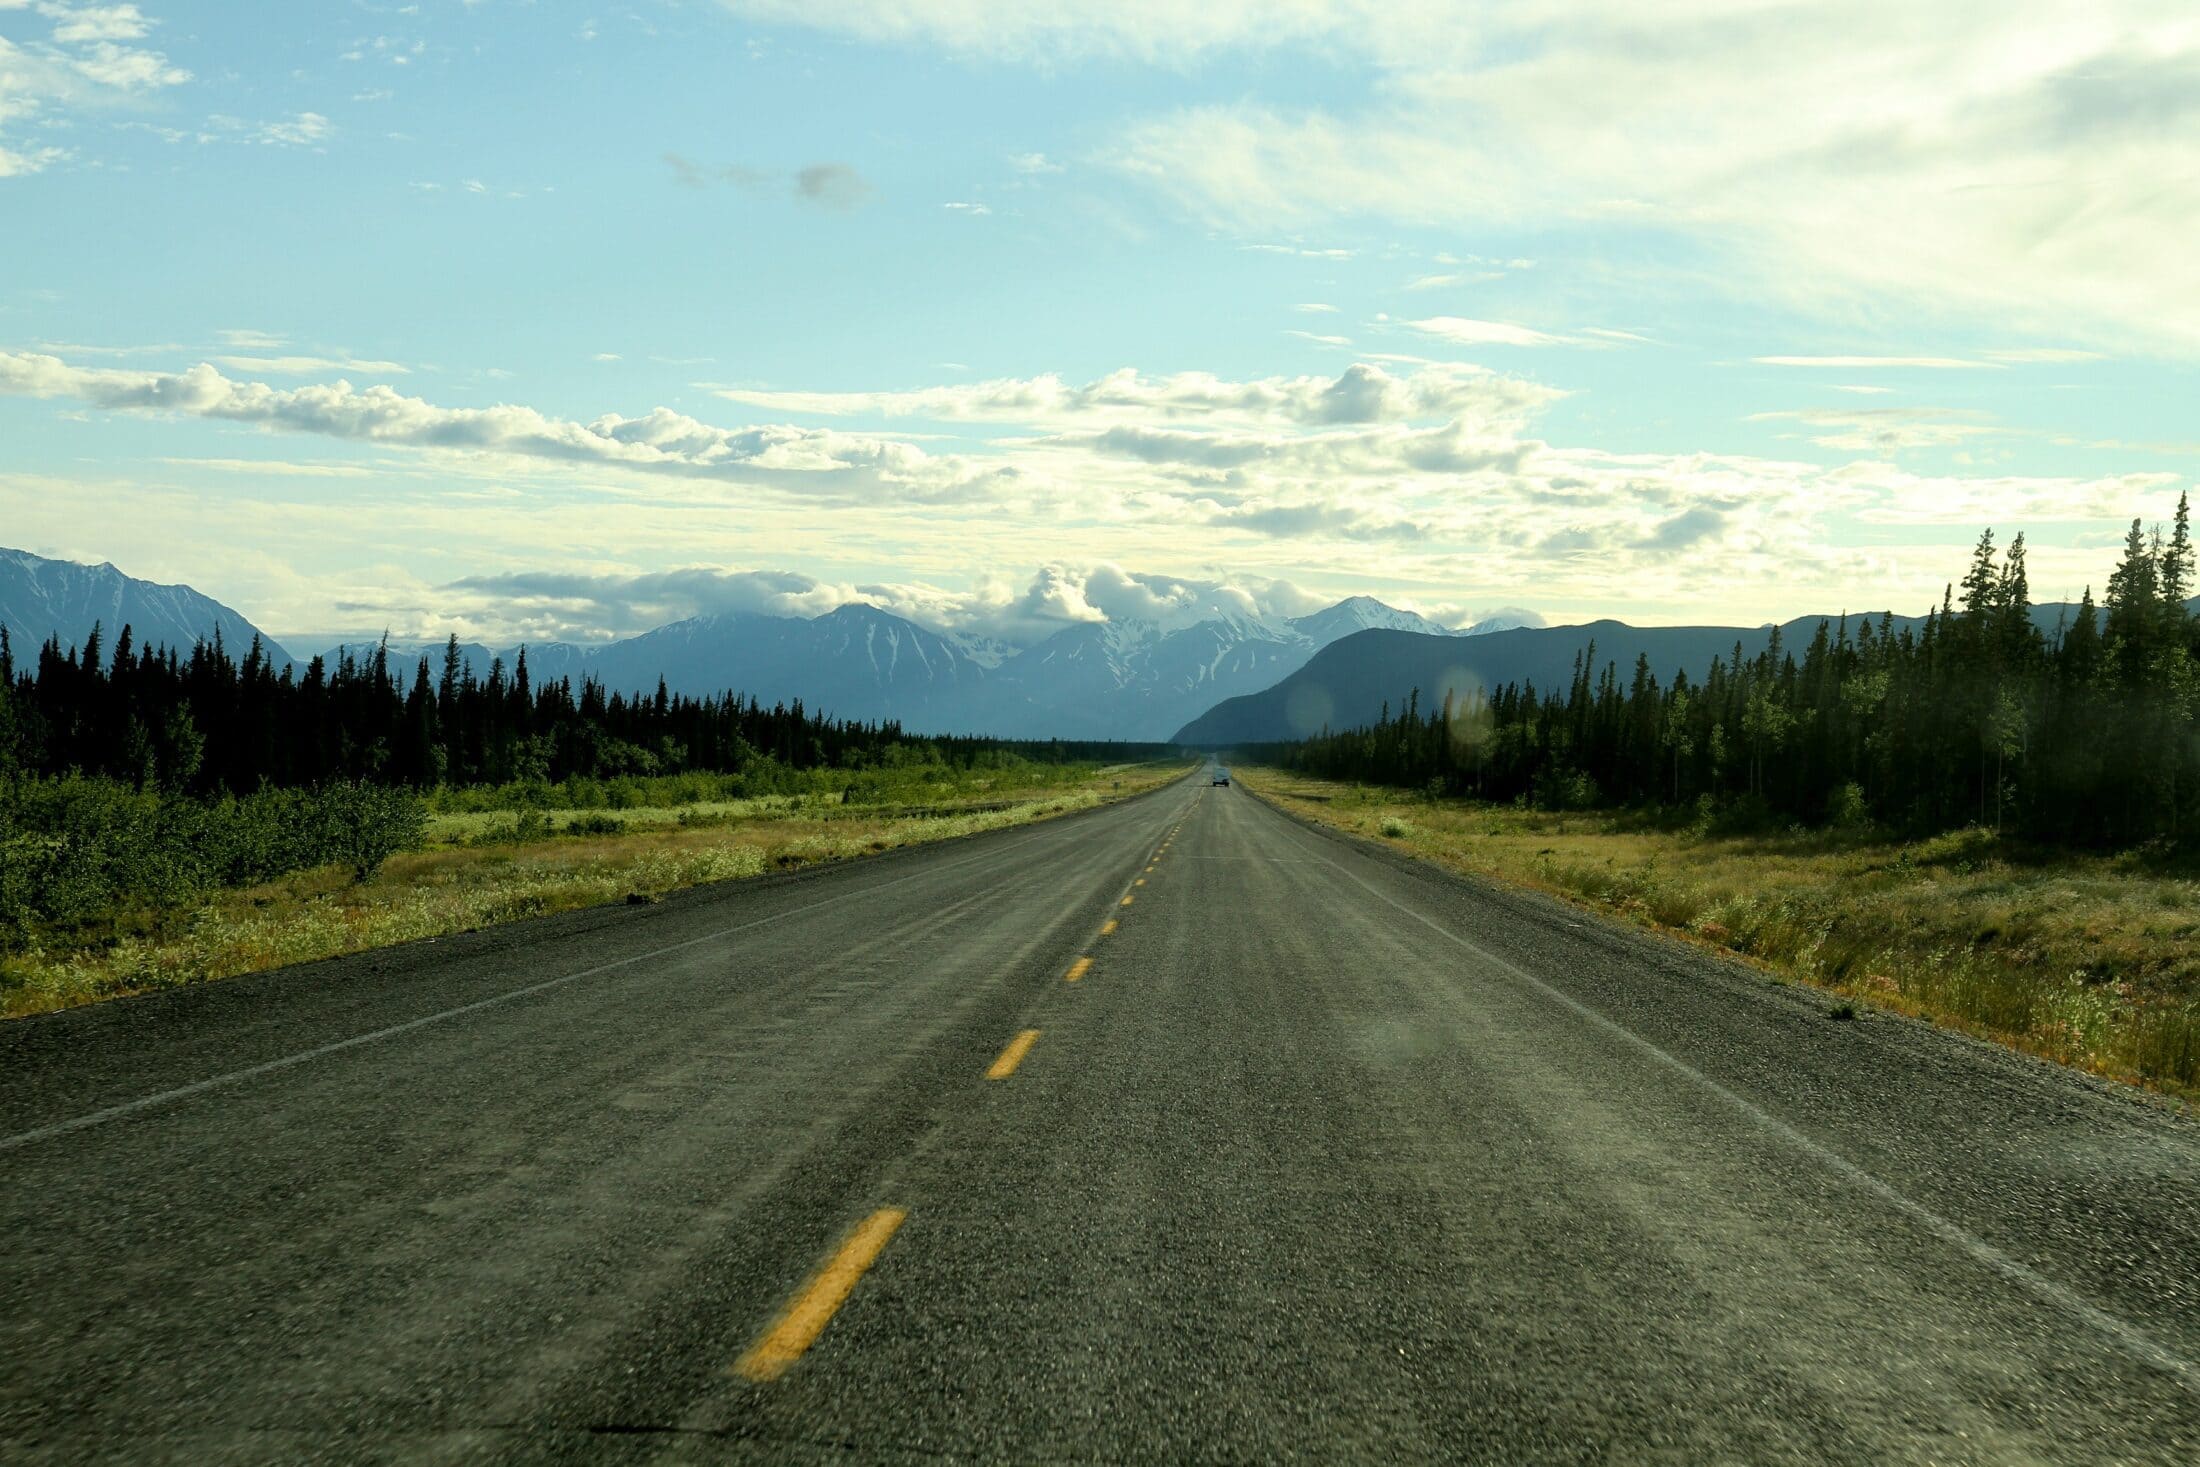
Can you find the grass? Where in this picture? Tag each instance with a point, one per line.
(2088, 960)
(483, 867)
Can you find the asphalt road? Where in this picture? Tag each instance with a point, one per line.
(1322, 1156)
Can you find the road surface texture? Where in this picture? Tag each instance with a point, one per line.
(1321, 1155)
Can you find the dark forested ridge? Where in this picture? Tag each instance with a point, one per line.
(1971, 717)
(208, 721)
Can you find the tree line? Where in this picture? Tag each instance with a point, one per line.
(205, 722)
(2088, 736)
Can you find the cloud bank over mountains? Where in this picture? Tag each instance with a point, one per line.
(1429, 476)
(579, 607)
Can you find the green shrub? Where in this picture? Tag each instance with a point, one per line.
(83, 856)
(1845, 807)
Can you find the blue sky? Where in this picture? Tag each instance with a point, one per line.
(489, 316)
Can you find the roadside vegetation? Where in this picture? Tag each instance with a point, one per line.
(169, 816)
(106, 890)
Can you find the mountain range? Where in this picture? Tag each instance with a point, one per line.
(1127, 679)
(1209, 673)
(1346, 684)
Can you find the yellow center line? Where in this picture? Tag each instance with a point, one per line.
(1013, 1056)
(812, 1309)
(1141, 881)
(1082, 966)
(1126, 901)
(1109, 929)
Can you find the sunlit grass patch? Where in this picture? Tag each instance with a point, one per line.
(477, 872)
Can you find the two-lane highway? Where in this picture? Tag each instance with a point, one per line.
(1174, 1131)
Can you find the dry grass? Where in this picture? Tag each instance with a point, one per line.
(470, 877)
(2092, 961)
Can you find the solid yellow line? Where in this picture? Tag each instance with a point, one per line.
(812, 1309)
(1126, 901)
(1082, 966)
(1108, 930)
(1013, 1056)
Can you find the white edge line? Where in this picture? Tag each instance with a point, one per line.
(2133, 1340)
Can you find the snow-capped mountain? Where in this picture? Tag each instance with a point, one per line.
(41, 598)
(1135, 678)
(855, 662)
(1504, 619)
(1143, 679)
(1132, 678)
(1361, 613)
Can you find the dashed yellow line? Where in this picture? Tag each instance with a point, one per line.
(1082, 966)
(820, 1299)
(1126, 901)
(1108, 928)
(1013, 1056)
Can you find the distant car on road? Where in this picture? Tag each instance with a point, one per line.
(1222, 776)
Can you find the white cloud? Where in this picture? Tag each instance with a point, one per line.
(1464, 332)
(310, 366)
(1033, 163)
(660, 442)
(1315, 308)
(1157, 31)
(302, 130)
(578, 605)
(127, 68)
(581, 604)
(1897, 496)
(95, 22)
(14, 164)
(2028, 165)
(1928, 364)
(2025, 356)
(277, 467)
(1301, 252)
(84, 63)
(1886, 431)
(1360, 394)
